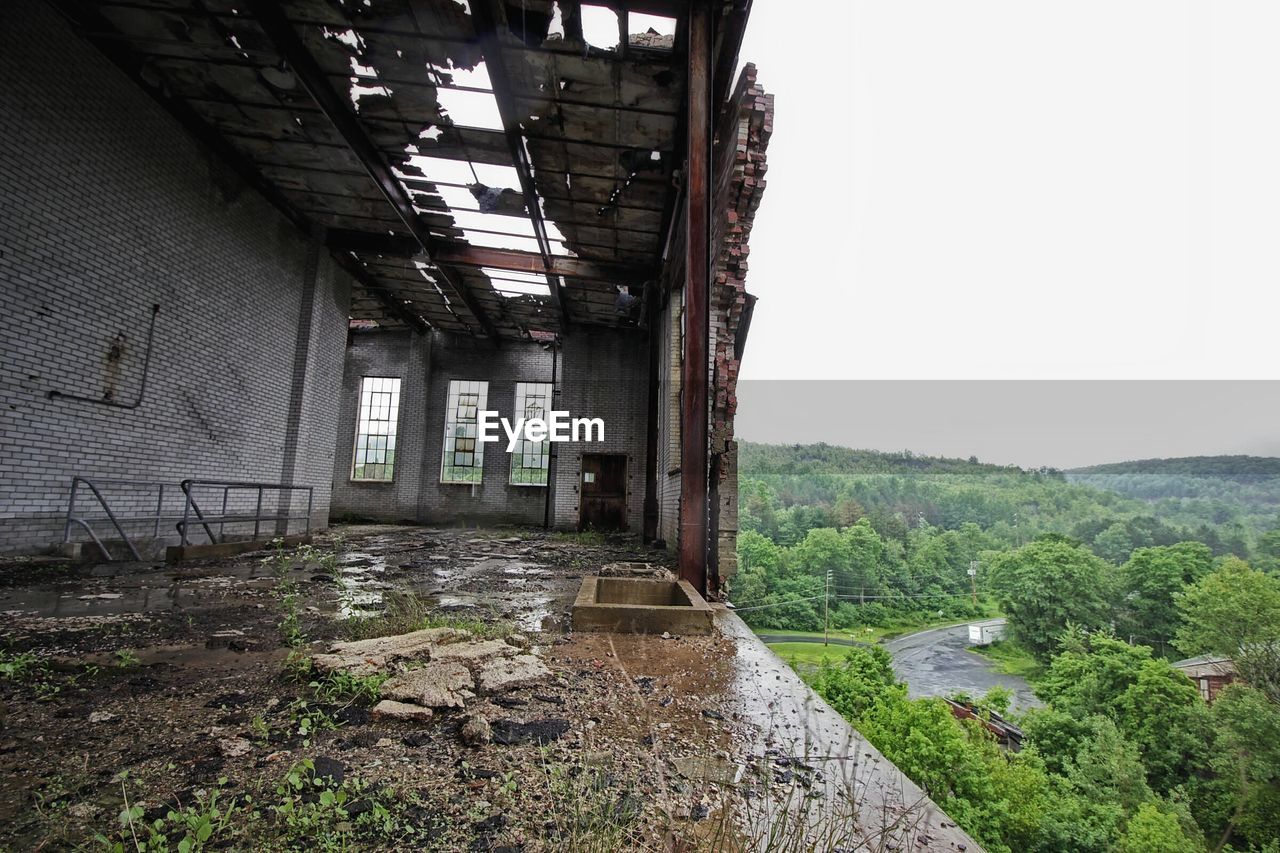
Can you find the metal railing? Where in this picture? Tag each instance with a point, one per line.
(116, 521)
(189, 488)
(233, 493)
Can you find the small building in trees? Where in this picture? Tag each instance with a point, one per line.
(1209, 672)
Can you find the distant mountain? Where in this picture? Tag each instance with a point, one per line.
(1242, 469)
(1196, 489)
(1225, 501)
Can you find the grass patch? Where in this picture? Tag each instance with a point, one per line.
(405, 612)
(809, 654)
(581, 537)
(1010, 658)
(870, 634)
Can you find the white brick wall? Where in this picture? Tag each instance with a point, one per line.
(106, 207)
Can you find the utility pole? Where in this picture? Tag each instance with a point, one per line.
(826, 599)
(973, 578)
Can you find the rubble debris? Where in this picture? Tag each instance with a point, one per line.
(476, 731)
(390, 709)
(329, 769)
(369, 657)
(541, 732)
(233, 747)
(440, 684)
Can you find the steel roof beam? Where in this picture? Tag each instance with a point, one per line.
(485, 16)
(291, 47)
(463, 255)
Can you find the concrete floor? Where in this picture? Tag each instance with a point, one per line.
(706, 732)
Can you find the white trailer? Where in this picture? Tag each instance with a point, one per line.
(987, 632)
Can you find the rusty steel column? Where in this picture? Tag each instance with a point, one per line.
(697, 328)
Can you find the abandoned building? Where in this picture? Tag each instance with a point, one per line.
(269, 269)
(300, 245)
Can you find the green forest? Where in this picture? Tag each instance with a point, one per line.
(1106, 575)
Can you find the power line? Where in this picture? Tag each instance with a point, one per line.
(779, 604)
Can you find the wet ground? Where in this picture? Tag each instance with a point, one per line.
(938, 662)
(131, 694)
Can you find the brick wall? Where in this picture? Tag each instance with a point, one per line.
(426, 364)
(106, 208)
(600, 374)
(669, 379)
(407, 357)
(604, 375)
(739, 188)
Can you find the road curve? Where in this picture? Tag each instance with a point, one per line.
(937, 662)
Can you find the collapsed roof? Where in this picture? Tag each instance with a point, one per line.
(489, 167)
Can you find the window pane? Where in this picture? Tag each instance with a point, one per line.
(462, 457)
(530, 460)
(376, 428)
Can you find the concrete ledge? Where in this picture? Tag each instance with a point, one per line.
(178, 553)
(640, 606)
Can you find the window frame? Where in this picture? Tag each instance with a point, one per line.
(546, 391)
(393, 427)
(457, 389)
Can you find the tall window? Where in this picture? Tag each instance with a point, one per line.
(531, 459)
(463, 457)
(375, 455)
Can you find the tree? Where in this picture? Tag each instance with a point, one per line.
(1151, 830)
(1047, 585)
(1249, 753)
(756, 551)
(1154, 706)
(1114, 543)
(1269, 551)
(865, 551)
(1150, 580)
(1235, 612)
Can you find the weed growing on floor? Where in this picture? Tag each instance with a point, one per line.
(20, 668)
(304, 811)
(308, 719)
(585, 813)
(290, 619)
(345, 687)
(126, 658)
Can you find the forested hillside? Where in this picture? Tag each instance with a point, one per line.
(1106, 575)
(1229, 503)
(1213, 490)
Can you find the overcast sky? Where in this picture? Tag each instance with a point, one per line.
(1027, 423)
(1018, 189)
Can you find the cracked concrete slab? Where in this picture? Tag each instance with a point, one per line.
(440, 684)
(501, 674)
(370, 657)
(390, 709)
(474, 651)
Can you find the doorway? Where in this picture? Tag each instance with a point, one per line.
(603, 491)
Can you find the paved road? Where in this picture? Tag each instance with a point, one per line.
(938, 662)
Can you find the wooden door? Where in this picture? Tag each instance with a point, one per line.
(603, 492)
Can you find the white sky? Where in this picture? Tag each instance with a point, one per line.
(1018, 188)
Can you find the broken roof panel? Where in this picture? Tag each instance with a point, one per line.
(386, 118)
